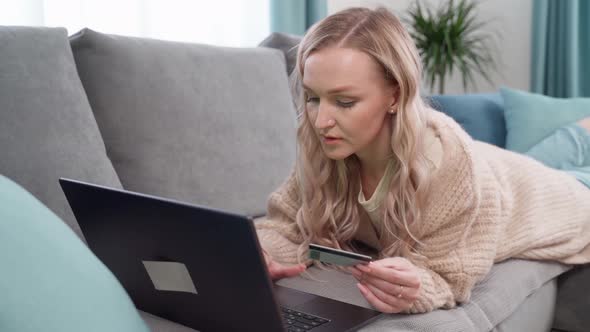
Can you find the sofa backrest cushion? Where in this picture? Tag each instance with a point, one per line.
(287, 43)
(50, 279)
(481, 115)
(47, 129)
(203, 124)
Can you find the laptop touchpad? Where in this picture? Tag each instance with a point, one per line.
(290, 297)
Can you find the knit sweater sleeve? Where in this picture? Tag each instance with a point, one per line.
(462, 221)
(277, 232)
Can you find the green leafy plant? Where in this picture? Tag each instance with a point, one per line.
(451, 38)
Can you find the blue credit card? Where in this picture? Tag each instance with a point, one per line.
(337, 256)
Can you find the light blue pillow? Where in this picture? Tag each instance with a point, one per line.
(49, 279)
(532, 117)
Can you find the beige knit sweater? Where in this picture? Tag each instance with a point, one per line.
(486, 205)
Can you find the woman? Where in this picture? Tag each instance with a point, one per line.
(380, 172)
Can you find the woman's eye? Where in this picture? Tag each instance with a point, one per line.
(314, 100)
(346, 104)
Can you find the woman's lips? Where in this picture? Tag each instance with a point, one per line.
(331, 140)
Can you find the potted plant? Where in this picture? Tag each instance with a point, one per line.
(451, 38)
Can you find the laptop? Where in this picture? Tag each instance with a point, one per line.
(197, 266)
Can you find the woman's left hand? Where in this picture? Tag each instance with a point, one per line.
(391, 285)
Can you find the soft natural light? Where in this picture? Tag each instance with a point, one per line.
(223, 22)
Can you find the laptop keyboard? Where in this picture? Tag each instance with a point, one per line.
(297, 321)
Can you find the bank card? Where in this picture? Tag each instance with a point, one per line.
(337, 256)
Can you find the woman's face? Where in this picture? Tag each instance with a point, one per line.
(348, 100)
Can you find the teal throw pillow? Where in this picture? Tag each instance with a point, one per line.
(531, 117)
(481, 115)
(50, 280)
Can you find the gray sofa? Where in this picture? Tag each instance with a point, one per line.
(202, 124)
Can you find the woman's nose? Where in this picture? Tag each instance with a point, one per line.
(324, 118)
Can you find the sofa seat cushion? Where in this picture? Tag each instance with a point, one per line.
(209, 125)
(47, 129)
(493, 300)
(50, 279)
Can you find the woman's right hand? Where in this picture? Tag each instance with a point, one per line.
(279, 271)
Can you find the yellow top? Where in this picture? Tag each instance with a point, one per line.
(373, 205)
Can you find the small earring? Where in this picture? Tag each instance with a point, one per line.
(391, 111)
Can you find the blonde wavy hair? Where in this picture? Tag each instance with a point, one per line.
(329, 189)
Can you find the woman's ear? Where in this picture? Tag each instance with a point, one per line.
(393, 107)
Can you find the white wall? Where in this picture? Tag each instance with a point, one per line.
(244, 23)
(512, 19)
